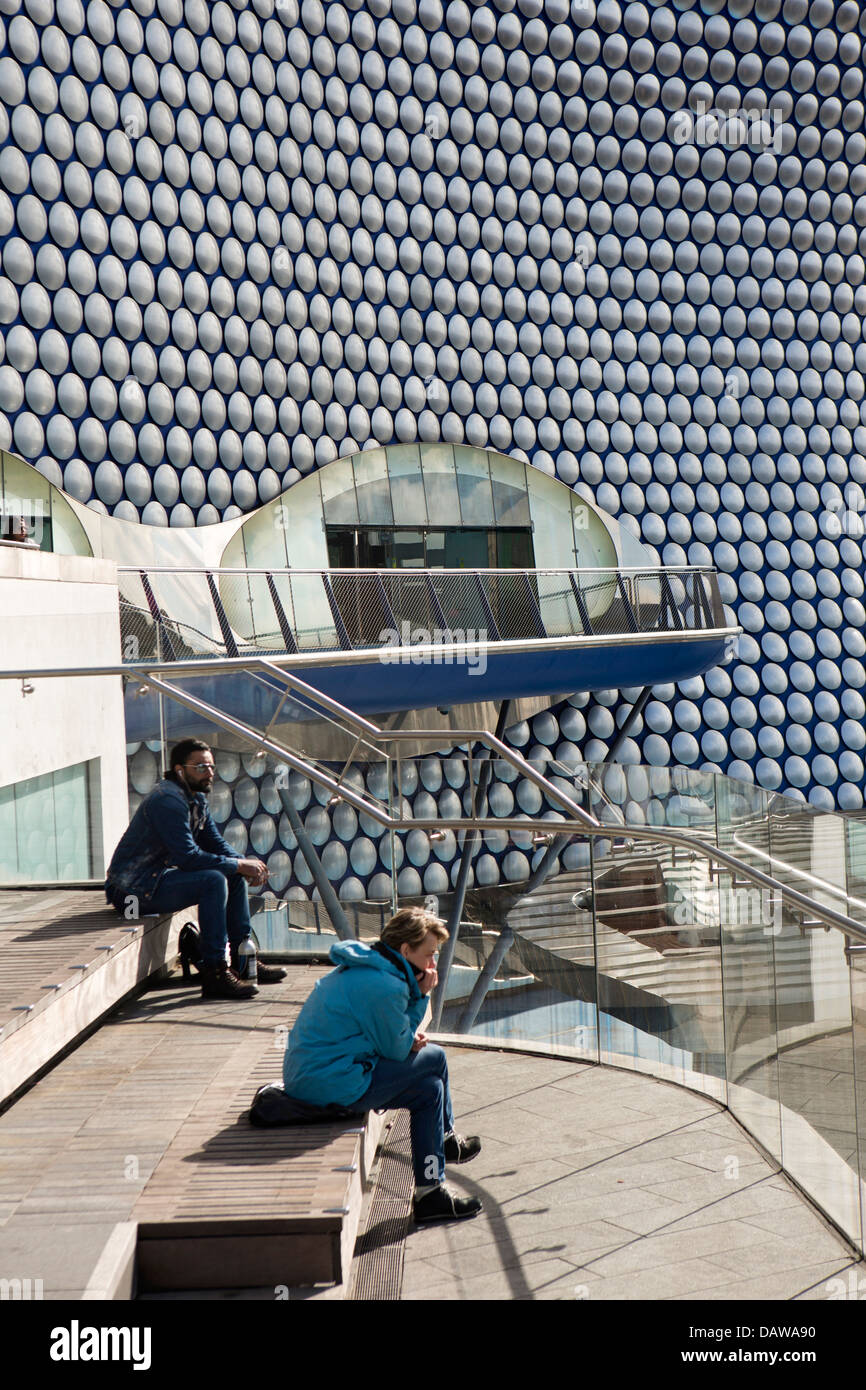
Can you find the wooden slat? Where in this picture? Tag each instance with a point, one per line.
(225, 1186)
(43, 936)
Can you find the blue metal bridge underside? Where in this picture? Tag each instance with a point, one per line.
(387, 681)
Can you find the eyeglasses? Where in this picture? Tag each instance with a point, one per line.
(200, 767)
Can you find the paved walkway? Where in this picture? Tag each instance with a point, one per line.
(600, 1184)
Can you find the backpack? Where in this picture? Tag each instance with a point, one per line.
(189, 948)
(271, 1106)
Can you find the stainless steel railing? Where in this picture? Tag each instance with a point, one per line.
(577, 819)
(182, 614)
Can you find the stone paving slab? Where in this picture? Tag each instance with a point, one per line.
(601, 1185)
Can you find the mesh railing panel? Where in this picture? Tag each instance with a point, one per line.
(184, 613)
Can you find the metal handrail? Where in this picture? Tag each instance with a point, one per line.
(639, 601)
(648, 570)
(580, 822)
(334, 656)
(832, 888)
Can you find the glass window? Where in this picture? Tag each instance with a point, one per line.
(473, 486)
(435, 550)
(440, 483)
(265, 537)
(373, 488)
(408, 553)
(46, 827)
(407, 485)
(514, 550)
(51, 523)
(467, 550)
(234, 557)
(337, 483)
(342, 548)
(593, 543)
(510, 500)
(375, 549)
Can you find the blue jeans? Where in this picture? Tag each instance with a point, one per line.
(223, 907)
(419, 1085)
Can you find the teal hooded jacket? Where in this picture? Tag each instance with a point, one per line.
(368, 1008)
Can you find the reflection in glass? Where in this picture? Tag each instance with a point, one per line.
(50, 522)
(373, 488)
(473, 486)
(337, 483)
(510, 499)
(407, 484)
(749, 968)
(440, 483)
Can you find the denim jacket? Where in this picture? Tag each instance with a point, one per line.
(170, 829)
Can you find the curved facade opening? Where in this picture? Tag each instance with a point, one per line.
(30, 507)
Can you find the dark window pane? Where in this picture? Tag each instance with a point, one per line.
(341, 548)
(408, 550)
(435, 557)
(375, 549)
(514, 550)
(466, 550)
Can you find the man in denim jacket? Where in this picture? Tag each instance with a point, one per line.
(172, 856)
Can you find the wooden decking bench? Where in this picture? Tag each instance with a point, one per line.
(234, 1206)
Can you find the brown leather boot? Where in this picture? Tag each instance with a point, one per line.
(267, 974)
(219, 982)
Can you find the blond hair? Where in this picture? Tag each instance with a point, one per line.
(410, 926)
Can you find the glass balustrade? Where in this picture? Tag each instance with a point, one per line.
(642, 949)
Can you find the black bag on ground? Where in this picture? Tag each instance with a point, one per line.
(189, 948)
(271, 1106)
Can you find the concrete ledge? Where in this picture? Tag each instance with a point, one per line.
(113, 1277)
(40, 1032)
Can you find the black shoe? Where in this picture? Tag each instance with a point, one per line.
(219, 982)
(460, 1148)
(265, 974)
(442, 1204)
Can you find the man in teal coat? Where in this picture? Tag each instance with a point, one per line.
(357, 1043)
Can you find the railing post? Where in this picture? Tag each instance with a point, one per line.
(288, 636)
(459, 898)
(588, 629)
(703, 601)
(440, 614)
(156, 614)
(668, 606)
(342, 633)
(330, 901)
(488, 611)
(390, 616)
(222, 617)
(540, 629)
(485, 980)
(626, 601)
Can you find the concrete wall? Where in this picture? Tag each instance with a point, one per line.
(57, 611)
